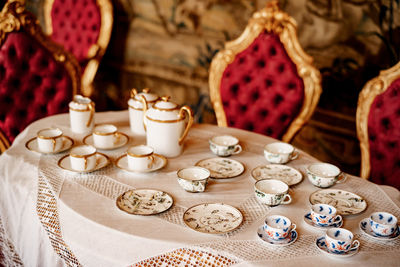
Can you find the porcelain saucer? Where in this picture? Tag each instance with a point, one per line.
(101, 162)
(337, 223)
(366, 229)
(123, 140)
(159, 162)
(292, 237)
(222, 168)
(321, 245)
(32, 145)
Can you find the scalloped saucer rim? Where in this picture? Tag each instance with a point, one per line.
(160, 162)
(64, 163)
(321, 245)
(291, 238)
(32, 145)
(367, 231)
(88, 140)
(310, 222)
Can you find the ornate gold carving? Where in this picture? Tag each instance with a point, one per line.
(4, 144)
(14, 17)
(274, 20)
(371, 90)
(97, 50)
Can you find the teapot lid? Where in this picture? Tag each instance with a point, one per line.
(164, 110)
(135, 100)
(80, 102)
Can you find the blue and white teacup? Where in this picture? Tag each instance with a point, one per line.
(278, 227)
(324, 214)
(383, 223)
(339, 240)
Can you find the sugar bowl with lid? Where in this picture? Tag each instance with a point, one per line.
(135, 104)
(166, 126)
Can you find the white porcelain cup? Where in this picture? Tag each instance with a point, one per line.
(272, 192)
(81, 114)
(49, 140)
(280, 152)
(83, 158)
(340, 240)
(278, 227)
(324, 174)
(324, 214)
(193, 179)
(225, 145)
(140, 158)
(383, 223)
(105, 136)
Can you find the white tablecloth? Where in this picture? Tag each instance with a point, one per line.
(52, 217)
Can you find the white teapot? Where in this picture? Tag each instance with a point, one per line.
(165, 126)
(136, 109)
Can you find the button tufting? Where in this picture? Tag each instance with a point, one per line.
(261, 63)
(255, 95)
(255, 48)
(272, 51)
(234, 88)
(247, 79)
(291, 86)
(263, 113)
(278, 99)
(281, 68)
(385, 122)
(268, 83)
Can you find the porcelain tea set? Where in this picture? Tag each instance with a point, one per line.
(150, 115)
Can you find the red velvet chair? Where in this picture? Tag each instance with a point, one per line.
(378, 128)
(263, 81)
(37, 77)
(84, 28)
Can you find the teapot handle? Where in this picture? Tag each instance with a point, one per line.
(144, 101)
(189, 124)
(91, 109)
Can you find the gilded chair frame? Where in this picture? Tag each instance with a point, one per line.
(371, 90)
(272, 19)
(97, 50)
(13, 18)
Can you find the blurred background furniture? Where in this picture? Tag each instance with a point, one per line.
(263, 81)
(84, 29)
(37, 77)
(378, 128)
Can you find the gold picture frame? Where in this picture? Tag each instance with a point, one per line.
(272, 19)
(371, 90)
(97, 50)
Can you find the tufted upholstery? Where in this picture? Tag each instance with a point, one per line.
(32, 84)
(261, 90)
(384, 136)
(37, 77)
(76, 25)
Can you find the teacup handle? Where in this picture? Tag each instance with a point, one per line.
(293, 227)
(117, 137)
(151, 162)
(355, 244)
(288, 200)
(294, 155)
(336, 217)
(237, 150)
(53, 140)
(342, 178)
